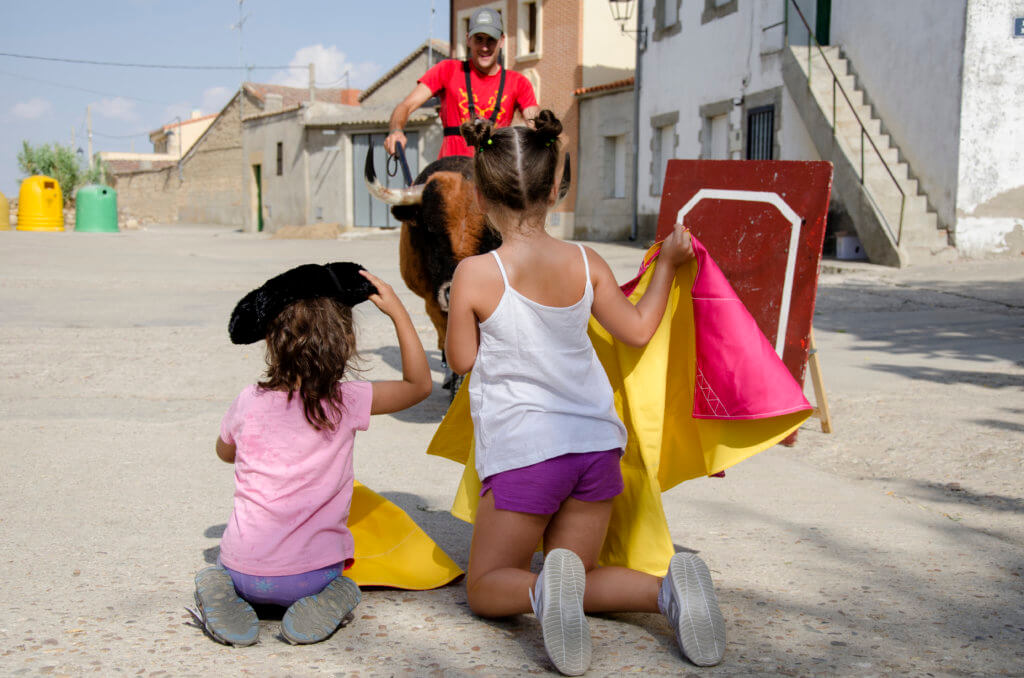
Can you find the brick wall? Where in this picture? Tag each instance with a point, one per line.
(559, 68)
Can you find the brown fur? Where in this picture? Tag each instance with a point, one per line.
(465, 224)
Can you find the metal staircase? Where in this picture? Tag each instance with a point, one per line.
(890, 213)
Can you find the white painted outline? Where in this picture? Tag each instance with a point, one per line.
(771, 198)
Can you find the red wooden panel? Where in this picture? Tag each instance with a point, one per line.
(744, 213)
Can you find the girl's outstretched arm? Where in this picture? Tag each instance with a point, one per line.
(416, 383)
(635, 325)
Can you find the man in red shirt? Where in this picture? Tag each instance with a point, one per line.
(478, 87)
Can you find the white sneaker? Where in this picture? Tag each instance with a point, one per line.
(557, 600)
(687, 598)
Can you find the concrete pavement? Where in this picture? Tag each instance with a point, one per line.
(894, 545)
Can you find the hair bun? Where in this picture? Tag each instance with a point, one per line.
(476, 132)
(547, 126)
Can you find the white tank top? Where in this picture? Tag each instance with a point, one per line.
(537, 390)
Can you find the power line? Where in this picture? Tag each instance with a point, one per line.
(134, 65)
(119, 136)
(83, 89)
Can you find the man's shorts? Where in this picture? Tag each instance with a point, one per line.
(542, 487)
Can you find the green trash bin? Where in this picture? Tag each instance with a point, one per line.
(96, 209)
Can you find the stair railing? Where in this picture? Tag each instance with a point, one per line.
(812, 43)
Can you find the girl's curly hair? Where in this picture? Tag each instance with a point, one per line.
(309, 347)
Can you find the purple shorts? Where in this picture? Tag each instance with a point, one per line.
(542, 487)
(283, 590)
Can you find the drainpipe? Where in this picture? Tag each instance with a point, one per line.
(640, 39)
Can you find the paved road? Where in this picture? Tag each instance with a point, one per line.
(892, 546)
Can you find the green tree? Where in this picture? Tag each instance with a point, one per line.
(61, 163)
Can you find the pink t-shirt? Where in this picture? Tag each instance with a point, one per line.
(293, 484)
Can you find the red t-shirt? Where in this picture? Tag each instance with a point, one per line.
(449, 81)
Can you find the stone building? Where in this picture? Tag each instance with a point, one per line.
(304, 159)
(206, 184)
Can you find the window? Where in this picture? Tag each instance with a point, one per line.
(528, 29)
(615, 166)
(664, 145)
(669, 13)
(715, 137)
(666, 18)
(716, 9)
(280, 158)
(760, 132)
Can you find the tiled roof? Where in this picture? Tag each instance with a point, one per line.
(293, 96)
(324, 114)
(440, 47)
(618, 84)
(130, 166)
(189, 121)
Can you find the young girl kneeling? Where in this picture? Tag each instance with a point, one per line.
(290, 438)
(548, 439)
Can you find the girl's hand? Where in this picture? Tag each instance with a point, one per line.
(385, 299)
(677, 249)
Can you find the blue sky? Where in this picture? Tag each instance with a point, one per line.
(43, 101)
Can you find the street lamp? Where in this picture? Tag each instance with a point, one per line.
(622, 13)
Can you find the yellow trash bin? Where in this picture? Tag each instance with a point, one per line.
(40, 205)
(5, 213)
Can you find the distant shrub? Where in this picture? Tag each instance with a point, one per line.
(61, 163)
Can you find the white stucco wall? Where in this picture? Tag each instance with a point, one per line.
(908, 56)
(607, 53)
(990, 189)
(710, 63)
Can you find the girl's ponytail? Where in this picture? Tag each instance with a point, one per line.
(477, 132)
(546, 129)
(515, 166)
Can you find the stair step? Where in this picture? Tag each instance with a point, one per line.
(887, 180)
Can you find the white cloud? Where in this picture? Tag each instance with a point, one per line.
(32, 109)
(117, 108)
(329, 66)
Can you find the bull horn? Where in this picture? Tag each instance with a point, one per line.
(563, 185)
(413, 195)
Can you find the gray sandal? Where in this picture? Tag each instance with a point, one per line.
(315, 618)
(223, 614)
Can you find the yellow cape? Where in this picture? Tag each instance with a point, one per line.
(654, 388)
(391, 549)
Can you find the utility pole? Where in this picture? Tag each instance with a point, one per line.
(430, 39)
(88, 126)
(312, 82)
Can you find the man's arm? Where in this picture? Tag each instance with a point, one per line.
(400, 115)
(530, 113)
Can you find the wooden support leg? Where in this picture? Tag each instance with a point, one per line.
(821, 400)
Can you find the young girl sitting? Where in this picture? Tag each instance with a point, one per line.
(290, 438)
(548, 440)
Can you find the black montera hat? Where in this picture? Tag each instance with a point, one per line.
(339, 280)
